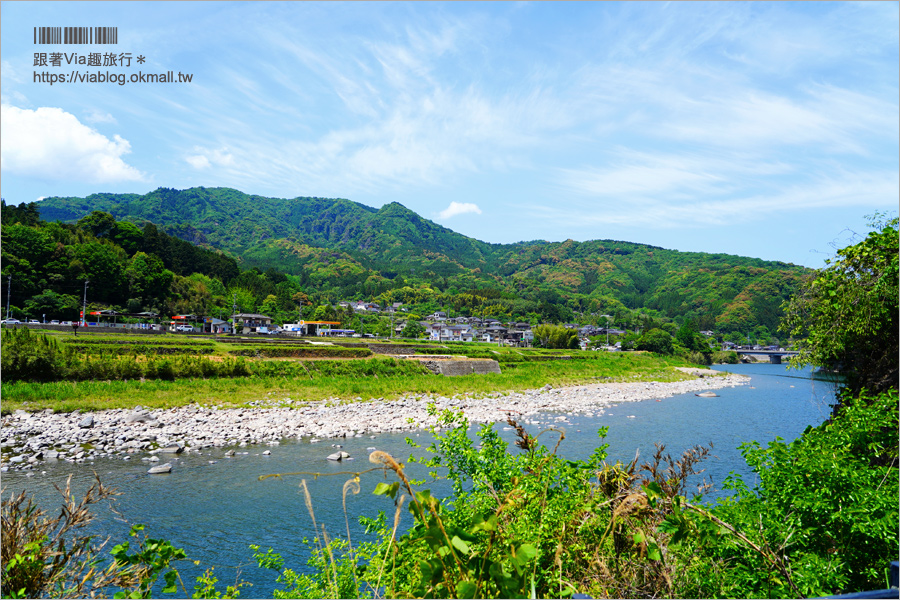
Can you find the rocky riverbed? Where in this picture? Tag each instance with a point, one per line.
(32, 439)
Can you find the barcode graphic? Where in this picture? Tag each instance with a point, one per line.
(76, 35)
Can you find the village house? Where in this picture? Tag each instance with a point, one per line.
(216, 326)
(251, 323)
(450, 333)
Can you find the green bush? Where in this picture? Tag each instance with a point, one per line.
(656, 340)
(698, 358)
(136, 349)
(29, 356)
(555, 336)
(303, 352)
(725, 357)
(825, 504)
(45, 556)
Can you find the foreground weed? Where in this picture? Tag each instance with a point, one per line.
(44, 556)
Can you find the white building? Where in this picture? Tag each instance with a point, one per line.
(451, 333)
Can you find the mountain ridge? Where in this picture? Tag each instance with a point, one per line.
(378, 245)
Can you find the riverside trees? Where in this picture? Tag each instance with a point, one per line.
(848, 312)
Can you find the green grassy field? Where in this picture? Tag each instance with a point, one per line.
(340, 379)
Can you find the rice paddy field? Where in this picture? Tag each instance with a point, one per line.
(109, 370)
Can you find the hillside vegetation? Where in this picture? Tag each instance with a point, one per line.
(345, 250)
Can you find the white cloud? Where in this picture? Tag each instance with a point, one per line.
(198, 161)
(206, 158)
(98, 116)
(50, 143)
(459, 208)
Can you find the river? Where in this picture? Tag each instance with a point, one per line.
(215, 507)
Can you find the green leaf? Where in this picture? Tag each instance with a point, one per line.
(466, 589)
(459, 544)
(170, 587)
(653, 490)
(386, 488)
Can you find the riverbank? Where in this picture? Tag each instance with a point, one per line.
(29, 440)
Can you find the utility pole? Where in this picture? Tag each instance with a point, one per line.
(607, 317)
(233, 313)
(8, 288)
(84, 306)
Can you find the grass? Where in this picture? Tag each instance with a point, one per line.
(335, 378)
(350, 386)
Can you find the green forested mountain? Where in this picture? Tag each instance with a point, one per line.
(350, 250)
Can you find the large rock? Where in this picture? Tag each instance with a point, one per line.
(87, 422)
(166, 468)
(175, 448)
(137, 417)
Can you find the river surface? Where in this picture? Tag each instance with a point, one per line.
(215, 507)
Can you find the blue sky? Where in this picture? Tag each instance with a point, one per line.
(760, 129)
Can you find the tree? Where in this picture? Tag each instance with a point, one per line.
(555, 336)
(244, 298)
(269, 306)
(128, 236)
(25, 213)
(104, 265)
(848, 312)
(691, 338)
(55, 306)
(147, 278)
(656, 340)
(412, 330)
(101, 224)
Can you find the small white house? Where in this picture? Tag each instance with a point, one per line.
(451, 333)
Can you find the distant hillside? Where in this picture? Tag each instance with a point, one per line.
(349, 248)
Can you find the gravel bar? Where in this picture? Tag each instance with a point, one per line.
(31, 439)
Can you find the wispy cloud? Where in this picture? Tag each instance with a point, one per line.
(205, 158)
(742, 203)
(99, 116)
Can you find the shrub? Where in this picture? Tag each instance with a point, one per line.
(725, 357)
(656, 340)
(28, 356)
(555, 336)
(49, 556)
(827, 502)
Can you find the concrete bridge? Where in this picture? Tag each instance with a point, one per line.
(774, 356)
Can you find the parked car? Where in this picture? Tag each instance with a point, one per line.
(34, 321)
(66, 323)
(54, 322)
(11, 321)
(184, 328)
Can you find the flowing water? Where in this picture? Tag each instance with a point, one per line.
(215, 507)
